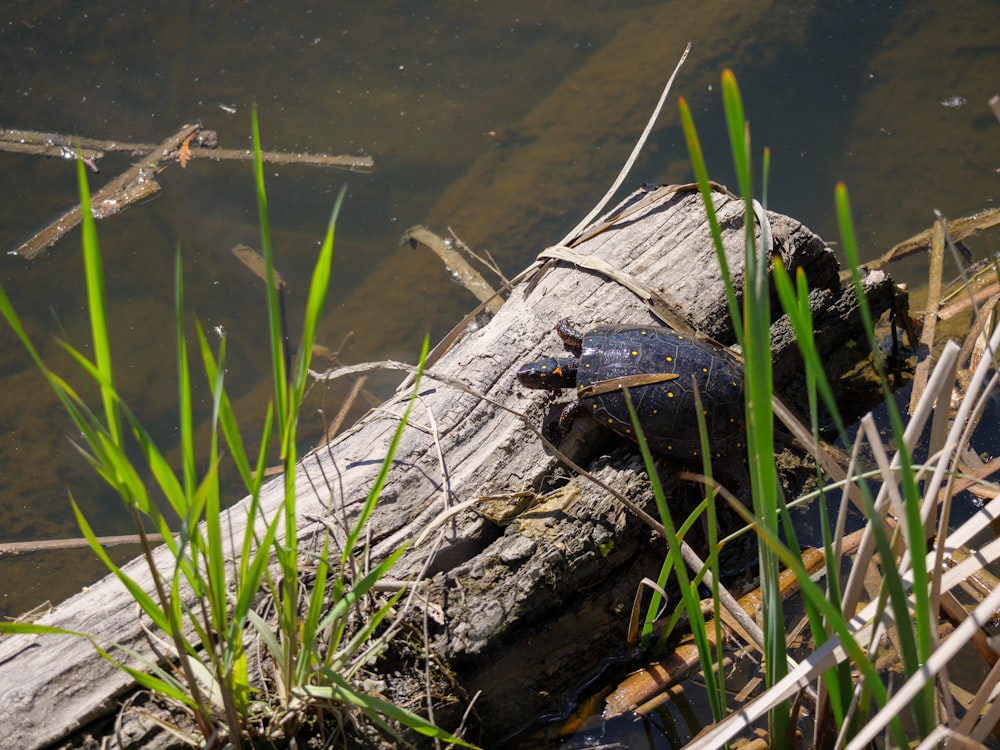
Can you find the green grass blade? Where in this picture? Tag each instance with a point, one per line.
(380, 480)
(310, 625)
(317, 298)
(255, 567)
(353, 595)
(214, 369)
(697, 157)
(342, 692)
(150, 607)
(183, 379)
(165, 685)
(739, 134)
(753, 334)
(795, 303)
(836, 621)
(689, 592)
(916, 542)
(266, 635)
(94, 272)
(34, 628)
(279, 371)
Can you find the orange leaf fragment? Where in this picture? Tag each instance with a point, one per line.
(184, 152)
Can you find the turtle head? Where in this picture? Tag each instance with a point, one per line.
(550, 373)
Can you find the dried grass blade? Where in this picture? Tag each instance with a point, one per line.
(979, 618)
(934, 283)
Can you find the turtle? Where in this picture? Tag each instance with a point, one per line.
(659, 366)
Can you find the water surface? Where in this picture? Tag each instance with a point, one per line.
(504, 121)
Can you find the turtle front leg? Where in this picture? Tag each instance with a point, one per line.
(571, 338)
(569, 413)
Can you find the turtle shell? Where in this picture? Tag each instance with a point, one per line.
(666, 409)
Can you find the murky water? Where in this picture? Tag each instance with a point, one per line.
(504, 121)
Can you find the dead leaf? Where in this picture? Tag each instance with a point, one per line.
(184, 152)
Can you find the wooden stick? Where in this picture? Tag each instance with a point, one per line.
(56, 144)
(127, 188)
(338, 421)
(957, 229)
(39, 545)
(464, 273)
(138, 183)
(357, 163)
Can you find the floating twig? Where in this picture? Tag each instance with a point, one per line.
(127, 188)
(40, 545)
(204, 144)
(191, 141)
(359, 163)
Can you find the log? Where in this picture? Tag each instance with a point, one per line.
(518, 611)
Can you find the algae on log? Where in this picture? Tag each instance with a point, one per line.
(519, 610)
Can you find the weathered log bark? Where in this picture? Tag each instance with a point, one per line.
(520, 611)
